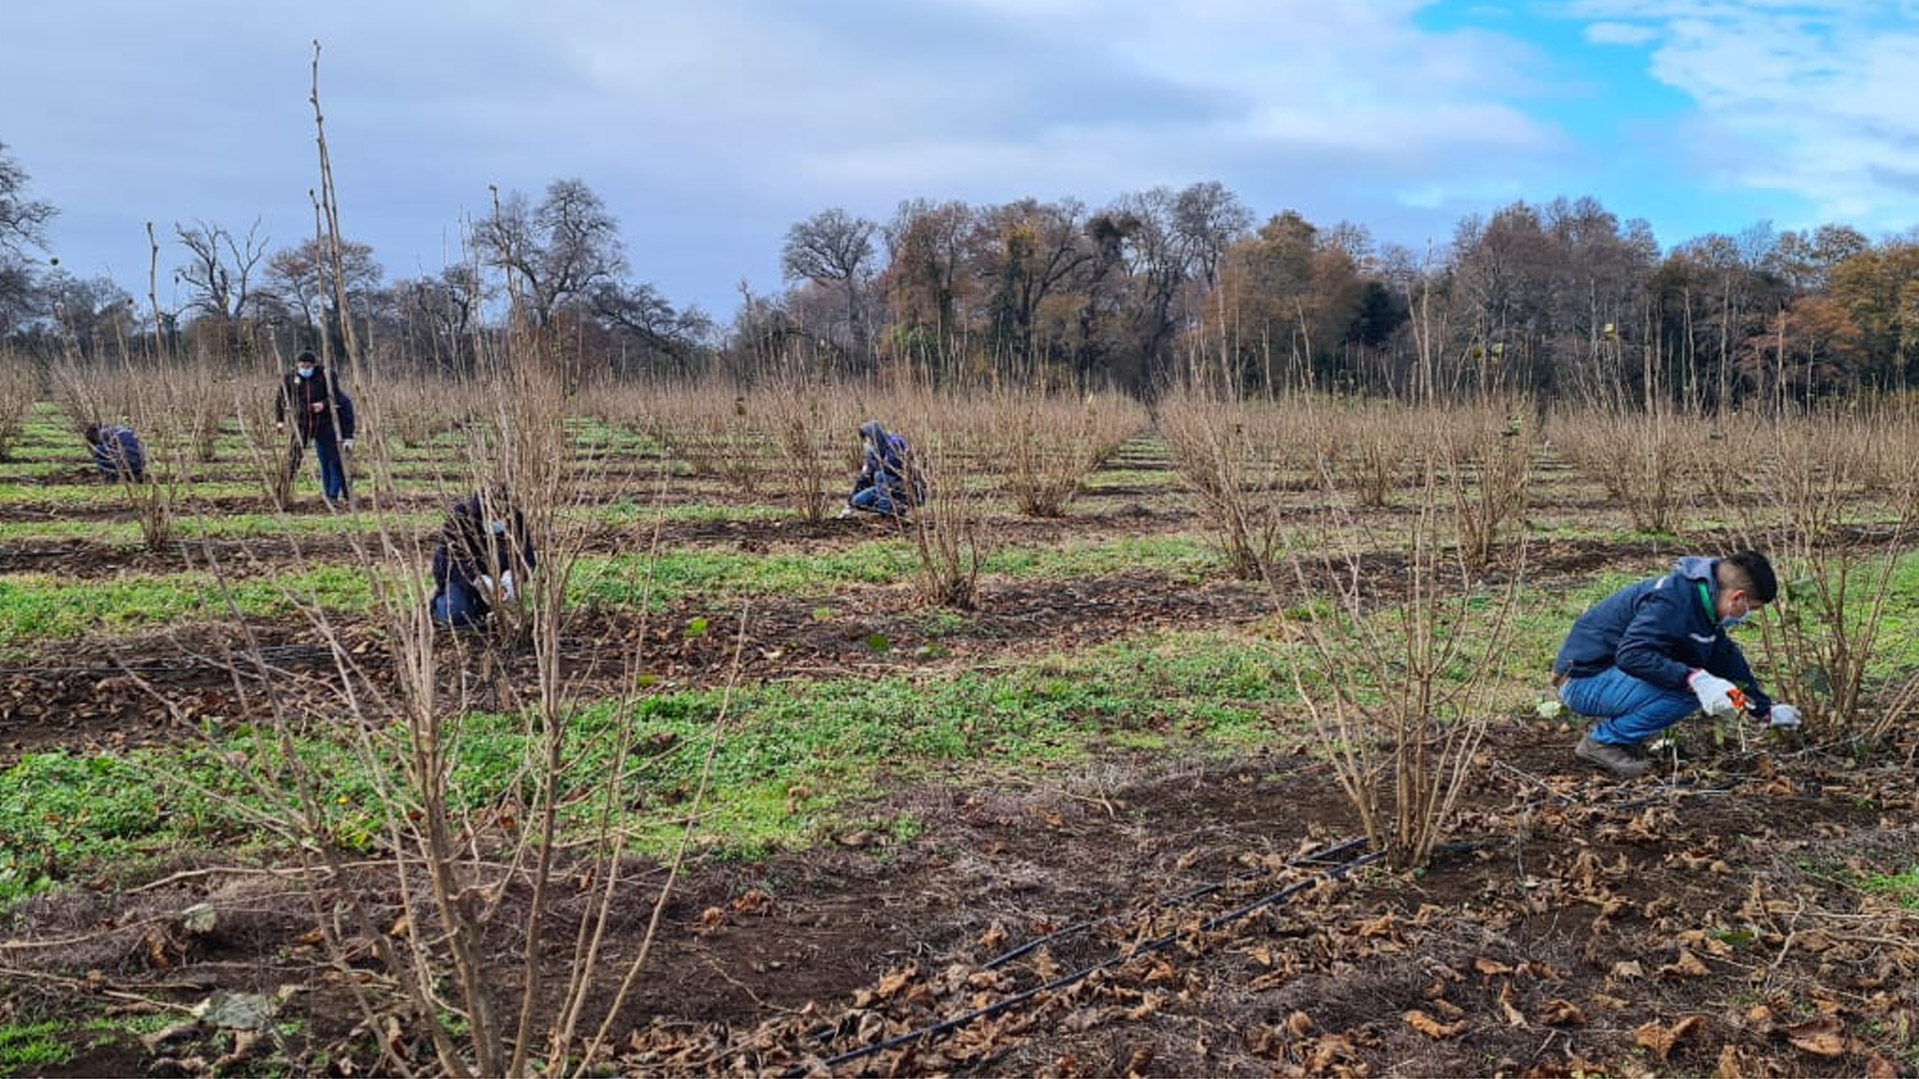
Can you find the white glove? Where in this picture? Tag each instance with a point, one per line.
(488, 588)
(1784, 717)
(346, 443)
(506, 585)
(1715, 694)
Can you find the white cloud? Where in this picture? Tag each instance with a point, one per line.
(1814, 96)
(1620, 33)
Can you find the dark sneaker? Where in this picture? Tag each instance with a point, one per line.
(1620, 761)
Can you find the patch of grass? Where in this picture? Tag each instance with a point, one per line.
(792, 757)
(30, 1047)
(1188, 558)
(44, 606)
(1901, 888)
(621, 579)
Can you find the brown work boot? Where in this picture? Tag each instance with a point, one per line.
(1620, 761)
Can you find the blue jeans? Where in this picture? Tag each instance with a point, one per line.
(456, 606)
(1630, 710)
(876, 499)
(332, 469)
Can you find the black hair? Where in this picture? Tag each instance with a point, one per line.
(1757, 572)
(92, 434)
(305, 356)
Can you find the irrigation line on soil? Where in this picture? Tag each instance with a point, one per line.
(955, 1022)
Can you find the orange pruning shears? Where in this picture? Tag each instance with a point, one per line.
(1739, 701)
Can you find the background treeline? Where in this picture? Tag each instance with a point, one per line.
(1560, 300)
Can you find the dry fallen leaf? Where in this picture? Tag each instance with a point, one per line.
(1490, 967)
(1823, 1037)
(1559, 1012)
(1514, 1017)
(893, 981)
(1660, 1038)
(1687, 965)
(1433, 1028)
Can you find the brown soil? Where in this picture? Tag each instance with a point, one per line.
(1695, 922)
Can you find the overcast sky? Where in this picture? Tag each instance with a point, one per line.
(710, 126)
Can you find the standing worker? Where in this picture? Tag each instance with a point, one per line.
(323, 415)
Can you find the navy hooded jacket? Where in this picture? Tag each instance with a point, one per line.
(469, 548)
(889, 462)
(119, 448)
(1660, 631)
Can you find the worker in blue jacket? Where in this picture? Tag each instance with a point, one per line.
(1655, 652)
(321, 414)
(484, 558)
(889, 482)
(117, 452)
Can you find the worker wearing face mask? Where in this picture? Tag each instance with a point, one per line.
(321, 414)
(483, 560)
(1655, 652)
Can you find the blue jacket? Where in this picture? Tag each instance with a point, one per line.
(889, 462)
(299, 395)
(1659, 631)
(470, 549)
(120, 446)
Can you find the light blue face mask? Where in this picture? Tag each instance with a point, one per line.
(499, 527)
(1732, 620)
(306, 372)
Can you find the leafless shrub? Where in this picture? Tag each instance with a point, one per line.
(1049, 443)
(805, 417)
(19, 389)
(1365, 445)
(101, 392)
(712, 427)
(950, 534)
(1231, 453)
(268, 451)
(1398, 687)
(1641, 459)
(1826, 630)
(415, 409)
(1487, 454)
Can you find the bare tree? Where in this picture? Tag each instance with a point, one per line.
(22, 226)
(640, 315)
(554, 253)
(834, 250)
(219, 273)
(297, 277)
(437, 314)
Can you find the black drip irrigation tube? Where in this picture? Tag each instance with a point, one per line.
(1333, 872)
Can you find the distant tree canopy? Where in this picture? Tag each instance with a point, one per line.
(1559, 299)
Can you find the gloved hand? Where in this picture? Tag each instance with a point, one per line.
(346, 443)
(1784, 717)
(489, 589)
(506, 585)
(1714, 693)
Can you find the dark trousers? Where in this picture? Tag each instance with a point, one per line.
(332, 469)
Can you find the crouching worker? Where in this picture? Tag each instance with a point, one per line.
(117, 452)
(484, 558)
(889, 482)
(1655, 652)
